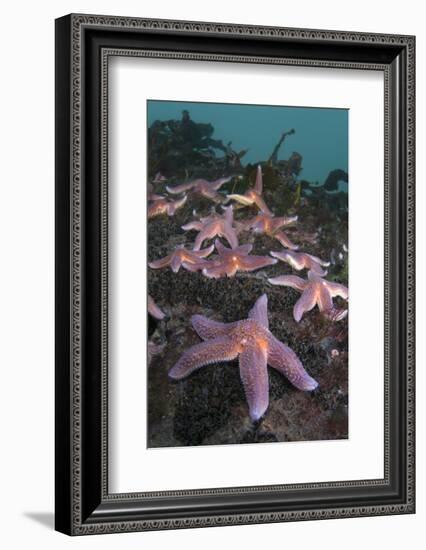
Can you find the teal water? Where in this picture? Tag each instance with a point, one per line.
(321, 134)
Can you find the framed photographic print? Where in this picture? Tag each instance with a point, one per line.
(234, 274)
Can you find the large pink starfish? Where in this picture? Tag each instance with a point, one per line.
(163, 206)
(315, 291)
(301, 260)
(154, 310)
(256, 347)
(231, 260)
(202, 187)
(270, 225)
(213, 226)
(253, 196)
(180, 256)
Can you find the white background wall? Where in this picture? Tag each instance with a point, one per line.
(27, 244)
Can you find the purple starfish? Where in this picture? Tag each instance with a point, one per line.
(211, 226)
(301, 260)
(315, 291)
(256, 347)
(180, 256)
(231, 260)
(203, 187)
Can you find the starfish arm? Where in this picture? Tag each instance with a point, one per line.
(254, 376)
(245, 248)
(325, 302)
(217, 184)
(207, 329)
(277, 223)
(293, 259)
(242, 199)
(198, 226)
(208, 232)
(229, 214)
(173, 206)
(261, 204)
(228, 232)
(206, 353)
(231, 268)
(203, 253)
(157, 208)
(181, 188)
(318, 260)
(162, 262)
(251, 263)
(212, 195)
(285, 241)
(194, 266)
(215, 271)
(336, 289)
(258, 185)
(176, 262)
(154, 197)
(259, 311)
(154, 310)
(284, 360)
(317, 269)
(315, 264)
(221, 248)
(292, 281)
(306, 302)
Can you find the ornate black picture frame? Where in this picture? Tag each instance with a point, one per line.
(83, 45)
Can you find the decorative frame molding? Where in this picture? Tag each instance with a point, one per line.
(84, 44)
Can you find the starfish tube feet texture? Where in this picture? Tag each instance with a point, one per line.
(315, 291)
(256, 347)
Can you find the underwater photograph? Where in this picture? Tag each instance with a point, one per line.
(247, 270)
